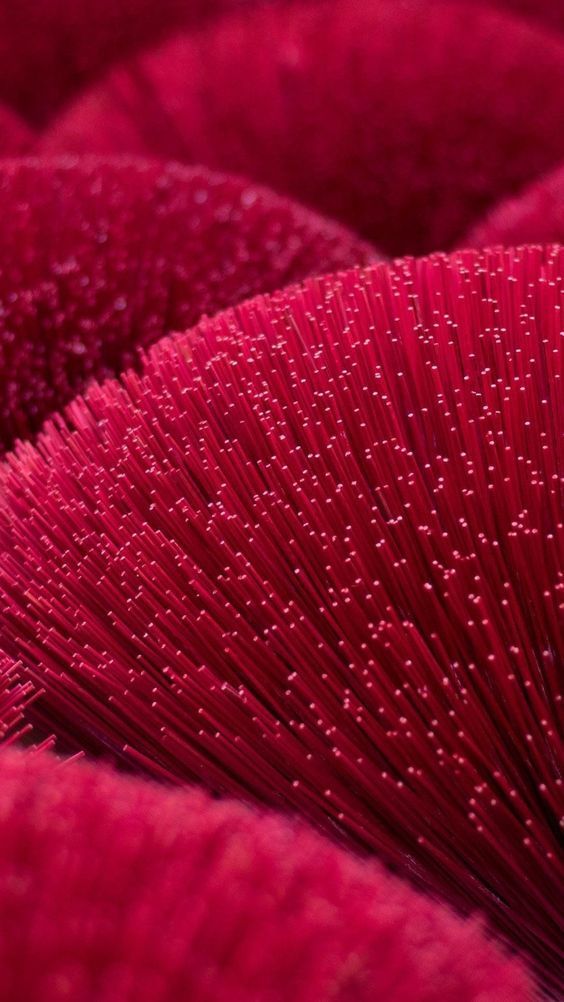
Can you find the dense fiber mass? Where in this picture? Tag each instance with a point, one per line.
(311, 555)
(535, 215)
(308, 552)
(112, 890)
(391, 116)
(50, 48)
(100, 259)
(65, 44)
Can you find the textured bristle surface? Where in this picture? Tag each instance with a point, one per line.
(98, 259)
(311, 556)
(536, 215)
(162, 897)
(392, 117)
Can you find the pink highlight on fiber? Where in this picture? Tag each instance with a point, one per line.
(312, 556)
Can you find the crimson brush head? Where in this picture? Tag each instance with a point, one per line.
(311, 556)
(99, 259)
(392, 117)
(535, 215)
(114, 889)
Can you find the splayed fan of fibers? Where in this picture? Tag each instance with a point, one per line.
(310, 556)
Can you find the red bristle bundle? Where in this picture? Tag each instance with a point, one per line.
(49, 49)
(393, 117)
(113, 889)
(99, 259)
(63, 44)
(312, 555)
